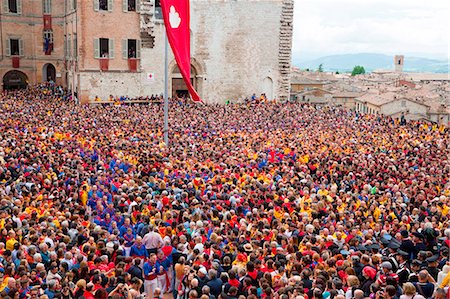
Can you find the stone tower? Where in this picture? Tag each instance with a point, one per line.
(398, 62)
(285, 48)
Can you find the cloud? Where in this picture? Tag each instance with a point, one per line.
(410, 27)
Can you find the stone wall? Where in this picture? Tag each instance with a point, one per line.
(238, 42)
(411, 109)
(237, 47)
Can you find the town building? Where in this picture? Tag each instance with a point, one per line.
(32, 42)
(395, 93)
(116, 47)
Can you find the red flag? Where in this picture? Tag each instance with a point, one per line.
(176, 20)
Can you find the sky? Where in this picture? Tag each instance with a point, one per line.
(411, 27)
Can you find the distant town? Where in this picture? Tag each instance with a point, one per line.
(415, 96)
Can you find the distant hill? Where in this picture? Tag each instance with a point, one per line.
(372, 61)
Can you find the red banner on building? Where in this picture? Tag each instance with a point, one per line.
(176, 20)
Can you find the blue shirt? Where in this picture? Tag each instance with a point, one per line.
(138, 251)
(148, 268)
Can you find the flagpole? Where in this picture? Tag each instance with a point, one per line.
(166, 90)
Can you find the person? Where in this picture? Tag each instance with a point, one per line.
(425, 286)
(409, 292)
(151, 271)
(440, 293)
(295, 200)
(134, 291)
(135, 270)
(353, 284)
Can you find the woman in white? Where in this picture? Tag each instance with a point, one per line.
(409, 292)
(442, 274)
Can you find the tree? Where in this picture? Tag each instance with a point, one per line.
(337, 72)
(358, 70)
(320, 68)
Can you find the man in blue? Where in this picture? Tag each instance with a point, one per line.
(163, 276)
(138, 249)
(151, 270)
(126, 225)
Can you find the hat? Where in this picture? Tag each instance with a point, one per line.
(402, 253)
(384, 241)
(248, 247)
(394, 244)
(375, 246)
(345, 252)
(362, 248)
(369, 271)
(418, 235)
(432, 259)
(416, 263)
(387, 237)
(386, 265)
(203, 270)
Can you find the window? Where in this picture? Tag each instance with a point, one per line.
(129, 5)
(131, 48)
(103, 48)
(47, 9)
(103, 5)
(13, 6)
(14, 47)
(158, 10)
(48, 41)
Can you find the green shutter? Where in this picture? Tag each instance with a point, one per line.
(138, 48)
(96, 48)
(111, 48)
(21, 50)
(125, 5)
(110, 5)
(5, 6)
(19, 7)
(8, 47)
(96, 5)
(125, 49)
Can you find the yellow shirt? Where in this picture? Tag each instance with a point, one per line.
(446, 281)
(10, 244)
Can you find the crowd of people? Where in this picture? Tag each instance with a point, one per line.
(250, 200)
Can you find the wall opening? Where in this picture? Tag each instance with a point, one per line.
(268, 88)
(48, 72)
(13, 80)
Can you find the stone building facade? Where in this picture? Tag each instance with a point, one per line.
(31, 42)
(104, 47)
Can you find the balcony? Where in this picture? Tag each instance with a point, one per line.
(104, 64)
(133, 64)
(15, 62)
(47, 22)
